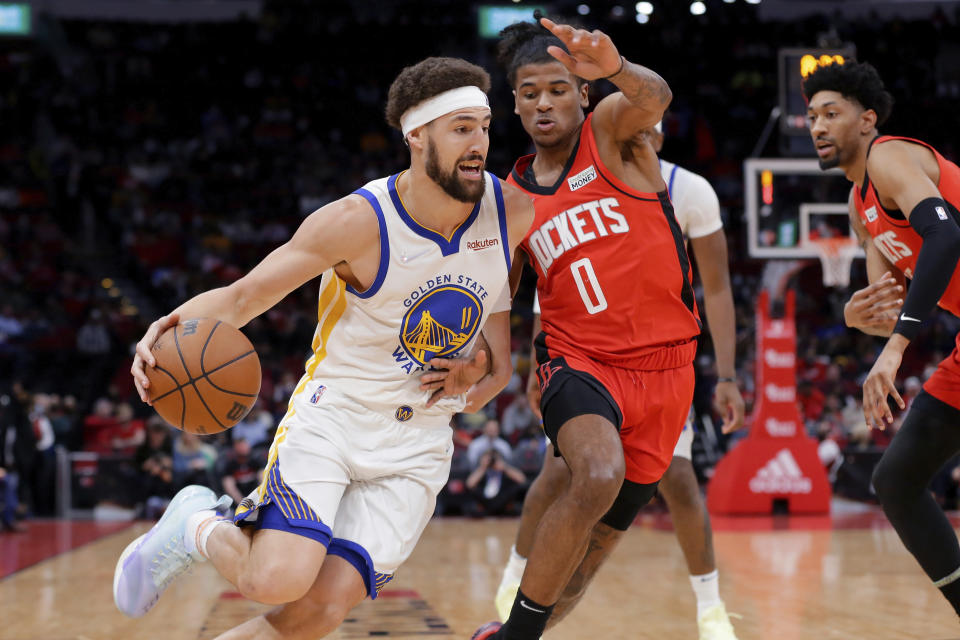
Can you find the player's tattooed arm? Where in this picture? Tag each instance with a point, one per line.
(643, 96)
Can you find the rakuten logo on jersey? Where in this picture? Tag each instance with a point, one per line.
(779, 359)
(480, 245)
(575, 226)
(775, 393)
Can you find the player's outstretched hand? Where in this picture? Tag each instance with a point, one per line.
(592, 53)
(144, 357)
(875, 308)
(533, 393)
(450, 377)
(728, 402)
(878, 385)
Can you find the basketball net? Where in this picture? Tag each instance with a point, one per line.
(836, 255)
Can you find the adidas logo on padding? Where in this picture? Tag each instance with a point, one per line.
(781, 474)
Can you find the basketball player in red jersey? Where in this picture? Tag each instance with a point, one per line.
(903, 206)
(619, 319)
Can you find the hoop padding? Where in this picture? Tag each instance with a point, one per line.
(836, 255)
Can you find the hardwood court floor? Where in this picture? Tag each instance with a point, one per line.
(792, 579)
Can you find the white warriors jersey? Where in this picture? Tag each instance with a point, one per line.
(695, 203)
(431, 296)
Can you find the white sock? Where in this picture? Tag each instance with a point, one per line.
(515, 566)
(707, 589)
(197, 531)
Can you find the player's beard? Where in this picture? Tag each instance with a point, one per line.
(451, 183)
(830, 163)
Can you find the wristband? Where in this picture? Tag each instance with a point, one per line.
(726, 379)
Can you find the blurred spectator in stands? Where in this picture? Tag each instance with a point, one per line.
(43, 478)
(242, 471)
(98, 427)
(495, 485)
(63, 418)
(93, 338)
(154, 457)
(489, 439)
(24, 443)
(193, 461)
(255, 426)
(9, 478)
(517, 418)
(128, 432)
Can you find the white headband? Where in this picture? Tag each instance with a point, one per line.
(440, 105)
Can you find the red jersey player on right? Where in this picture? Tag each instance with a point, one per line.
(619, 317)
(903, 207)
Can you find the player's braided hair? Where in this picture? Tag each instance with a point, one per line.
(855, 81)
(428, 78)
(525, 43)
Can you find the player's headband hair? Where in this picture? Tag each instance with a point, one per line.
(442, 104)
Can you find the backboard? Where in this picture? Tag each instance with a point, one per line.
(790, 202)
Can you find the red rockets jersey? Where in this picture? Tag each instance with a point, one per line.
(891, 231)
(613, 274)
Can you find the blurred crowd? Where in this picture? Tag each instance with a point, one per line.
(143, 163)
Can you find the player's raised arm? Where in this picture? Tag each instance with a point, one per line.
(643, 95)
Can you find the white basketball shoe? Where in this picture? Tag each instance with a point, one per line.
(714, 624)
(152, 561)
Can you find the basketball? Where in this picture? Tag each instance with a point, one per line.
(206, 378)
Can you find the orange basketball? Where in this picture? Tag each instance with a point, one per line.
(207, 376)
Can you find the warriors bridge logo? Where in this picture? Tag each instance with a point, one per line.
(440, 323)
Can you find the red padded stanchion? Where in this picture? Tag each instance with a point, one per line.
(777, 460)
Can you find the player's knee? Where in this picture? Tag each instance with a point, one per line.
(886, 482)
(598, 482)
(328, 615)
(275, 584)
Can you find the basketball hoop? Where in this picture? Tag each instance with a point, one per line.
(836, 255)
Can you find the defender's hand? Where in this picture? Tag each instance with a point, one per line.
(592, 53)
(878, 385)
(876, 306)
(143, 355)
(453, 377)
(728, 402)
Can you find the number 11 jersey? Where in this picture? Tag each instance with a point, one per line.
(613, 274)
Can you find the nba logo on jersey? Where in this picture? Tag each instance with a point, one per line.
(403, 413)
(941, 213)
(871, 214)
(317, 394)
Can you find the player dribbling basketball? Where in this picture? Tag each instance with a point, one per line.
(414, 266)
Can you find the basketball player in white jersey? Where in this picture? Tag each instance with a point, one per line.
(698, 211)
(412, 267)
